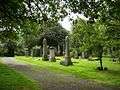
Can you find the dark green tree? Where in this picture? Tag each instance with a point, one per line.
(55, 36)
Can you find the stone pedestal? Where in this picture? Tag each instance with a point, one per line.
(52, 54)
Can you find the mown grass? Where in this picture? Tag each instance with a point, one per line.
(81, 69)
(12, 80)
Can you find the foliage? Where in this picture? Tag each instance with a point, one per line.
(13, 12)
(32, 34)
(29, 33)
(7, 48)
(18, 14)
(105, 10)
(86, 36)
(1, 49)
(54, 35)
(92, 37)
(10, 46)
(80, 33)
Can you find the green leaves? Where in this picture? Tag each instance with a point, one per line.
(87, 36)
(54, 35)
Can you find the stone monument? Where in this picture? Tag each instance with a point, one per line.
(52, 54)
(26, 51)
(67, 60)
(76, 55)
(45, 55)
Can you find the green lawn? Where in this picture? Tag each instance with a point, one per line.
(12, 80)
(81, 69)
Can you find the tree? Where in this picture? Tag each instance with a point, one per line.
(32, 34)
(54, 35)
(10, 48)
(90, 36)
(14, 13)
(81, 31)
(106, 11)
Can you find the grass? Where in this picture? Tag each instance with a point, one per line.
(81, 69)
(12, 80)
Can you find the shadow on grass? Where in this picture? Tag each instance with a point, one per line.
(113, 72)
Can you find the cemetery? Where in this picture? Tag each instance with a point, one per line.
(59, 45)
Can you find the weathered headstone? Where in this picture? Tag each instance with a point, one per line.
(52, 54)
(26, 51)
(67, 60)
(76, 55)
(83, 55)
(36, 51)
(45, 55)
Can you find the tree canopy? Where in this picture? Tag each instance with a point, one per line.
(30, 19)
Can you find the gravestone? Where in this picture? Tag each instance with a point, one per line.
(52, 54)
(26, 51)
(37, 51)
(83, 55)
(76, 55)
(45, 50)
(67, 60)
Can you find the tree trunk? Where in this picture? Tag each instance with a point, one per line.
(100, 56)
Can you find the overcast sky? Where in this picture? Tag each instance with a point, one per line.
(67, 24)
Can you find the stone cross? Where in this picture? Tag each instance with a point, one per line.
(52, 54)
(67, 60)
(45, 56)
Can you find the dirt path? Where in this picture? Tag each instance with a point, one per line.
(52, 81)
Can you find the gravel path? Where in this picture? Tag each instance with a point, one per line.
(52, 81)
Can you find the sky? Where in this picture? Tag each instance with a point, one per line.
(67, 24)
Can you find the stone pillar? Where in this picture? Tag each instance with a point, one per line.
(67, 60)
(45, 56)
(52, 54)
